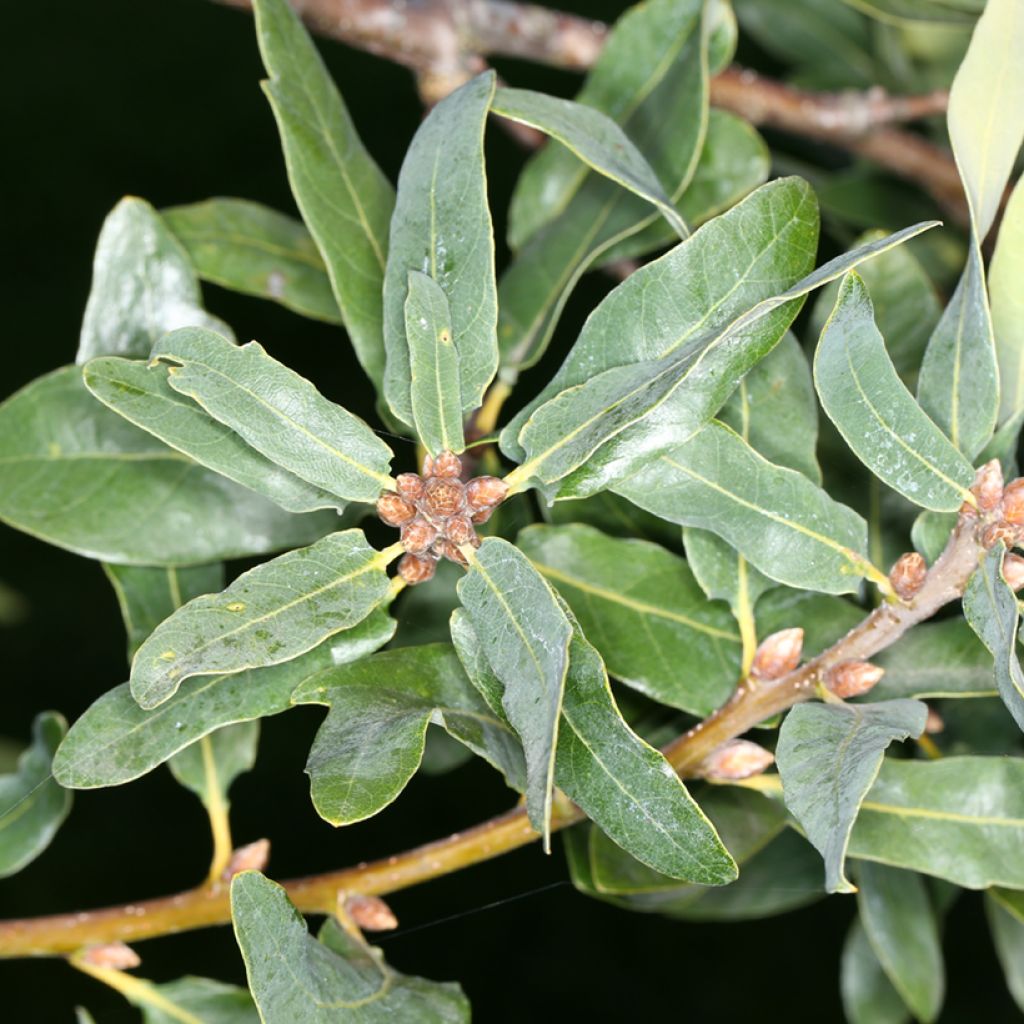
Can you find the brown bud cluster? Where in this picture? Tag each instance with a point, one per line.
(436, 513)
(907, 575)
(778, 654)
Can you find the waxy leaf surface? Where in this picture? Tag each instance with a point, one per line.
(868, 995)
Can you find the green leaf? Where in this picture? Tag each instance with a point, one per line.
(935, 659)
(951, 12)
(525, 637)
(642, 609)
(961, 818)
(783, 524)
(143, 285)
(1004, 276)
(279, 413)
(140, 392)
(209, 767)
(903, 931)
(442, 228)
(868, 995)
(250, 248)
(76, 475)
(876, 414)
(294, 977)
(593, 137)
(723, 573)
(32, 804)
(372, 741)
(614, 516)
(268, 615)
(344, 198)
(83, 1016)
(1008, 936)
(990, 607)
(192, 1000)
(828, 756)
(434, 383)
(147, 596)
(116, 741)
(930, 533)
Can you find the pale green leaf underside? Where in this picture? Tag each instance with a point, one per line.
(209, 767)
(1005, 274)
(190, 999)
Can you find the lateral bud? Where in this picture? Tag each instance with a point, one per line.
(996, 532)
(852, 678)
(737, 759)
(251, 857)
(778, 654)
(988, 485)
(1013, 503)
(1013, 570)
(908, 574)
(370, 913)
(934, 723)
(114, 956)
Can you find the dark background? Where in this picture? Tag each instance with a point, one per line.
(161, 100)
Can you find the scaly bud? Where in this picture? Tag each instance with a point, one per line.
(417, 536)
(907, 574)
(997, 532)
(483, 515)
(852, 678)
(446, 549)
(410, 486)
(1013, 570)
(416, 568)
(778, 654)
(1013, 503)
(988, 485)
(444, 498)
(393, 509)
(737, 759)
(251, 857)
(370, 913)
(460, 531)
(484, 492)
(115, 956)
(933, 723)
(428, 467)
(447, 464)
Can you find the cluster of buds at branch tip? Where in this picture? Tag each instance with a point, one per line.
(114, 956)
(437, 513)
(852, 678)
(908, 574)
(370, 913)
(251, 857)
(778, 654)
(737, 759)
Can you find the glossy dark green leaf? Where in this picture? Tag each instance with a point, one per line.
(143, 285)
(435, 389)
(525, 637)
(990, 607)
(76, 475)
(902, 928)
(593, 137)
(140, 392)
(783, 524)
(936, 659)
(724, 574)
(32, 804)
(1007, 299)
(192, 999)
(642, 609)
(115, 741)
(442, 228)
(250, 248)
(828, 756)
(961, 818)
(344, 198)
(614, 516)
(1008, 936)
(279, 413)
(372, 741)
(876, 414)
(268, 615)
(868, 995)
(210, 766)
(294, 977)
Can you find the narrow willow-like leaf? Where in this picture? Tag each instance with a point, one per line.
(32, 804)
(876, 414)
(903, 931)
(372, 741)
(434, 385)
(961, 818)
(990, 606)
(269, 615)
(723, 573)
(192, 999)
(935, 659)
(116, 741)
(525, 637)
(140, 392)
(593, 137)
(344, 198)
(147, 596)
(250, 248)
(784, 525)
(614, 516)
(1008, 937)
(279, 413)
(868, 995)
(76, 475)
(209, 767)
(143, 285)
(442, 228)
(642, 609)
(294, 977)
(1004, 276)
(950, 12)
(828, 756)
